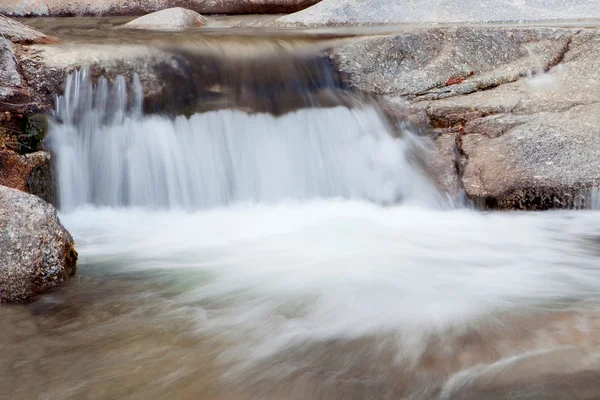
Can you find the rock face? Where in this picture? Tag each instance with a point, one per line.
(31, 173)
(353, 12)
(169, 19)
(22, 34)
(36, 252)
(138, 7)
(521, 118)
(10, 80)
(23, 165)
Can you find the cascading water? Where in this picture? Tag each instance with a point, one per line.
(109, 153)
(301, 255)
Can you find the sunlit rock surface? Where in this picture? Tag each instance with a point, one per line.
(521, 116)
(137, 7)
(19, 33)
(170, 19)
(344, 12)
(36, 251)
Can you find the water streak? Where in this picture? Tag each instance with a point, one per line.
(109, 153)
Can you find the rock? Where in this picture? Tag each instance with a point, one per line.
(10, 80)
(16, 32)
(169, 19)
(354, 12)
(524, 142)
(57, 8)
(522, 121)
(31, 173)
(421, 63)
(533, 143)
(550, 161)
(36, 251)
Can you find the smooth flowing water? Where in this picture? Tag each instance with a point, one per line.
(305, 255)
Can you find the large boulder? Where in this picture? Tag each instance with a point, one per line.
(36, 251)
(516, 124)
(169, 19)
(355, 12)
(139, 7)
(424, 62)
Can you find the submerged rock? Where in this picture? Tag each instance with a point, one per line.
(136, 7)
(169, 19)
(356, 12)
(36, 251)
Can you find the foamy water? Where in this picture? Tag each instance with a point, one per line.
(315, 258)
(276, 277)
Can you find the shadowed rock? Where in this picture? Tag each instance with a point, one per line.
(31, 173)
(36, 251)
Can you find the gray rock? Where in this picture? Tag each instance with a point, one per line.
(422, 63)
(31, 173)
(168, 19)
(354, 12)
(550, 161)
(16, 32)
(518, 130)
(36, 251)
(10, 79)
(533, 143)
(138, 7)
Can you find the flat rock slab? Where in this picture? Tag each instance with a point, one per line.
(356, 12)
(57, 8)
(36, 251)
(431, 62)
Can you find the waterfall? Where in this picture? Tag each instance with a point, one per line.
(109, 153)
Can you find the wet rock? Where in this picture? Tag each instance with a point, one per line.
(31, 173)
(354, 12)
(169, 19)
(17, 32)
(139, 7)
(45, 68)
(36, 251)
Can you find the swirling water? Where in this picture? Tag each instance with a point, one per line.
(230, 255)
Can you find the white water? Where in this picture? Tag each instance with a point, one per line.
(273, 231)
(110, 154)
(275, 277)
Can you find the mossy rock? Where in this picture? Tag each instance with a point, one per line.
(36, 128)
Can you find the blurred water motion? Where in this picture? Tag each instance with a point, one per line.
(296, 254)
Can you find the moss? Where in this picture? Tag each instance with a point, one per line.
(36, 128)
